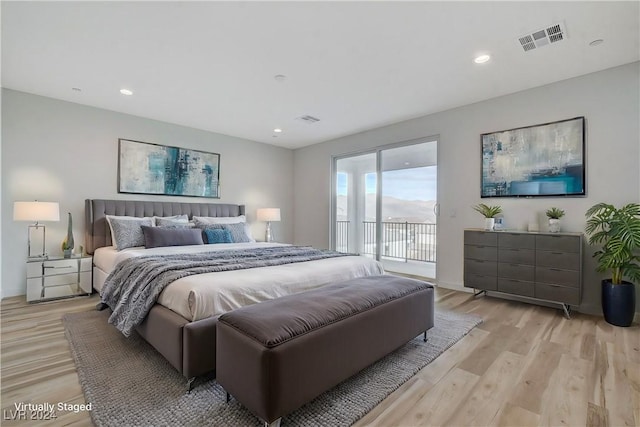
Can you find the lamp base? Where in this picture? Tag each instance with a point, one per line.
(268, 235)
(36, 242)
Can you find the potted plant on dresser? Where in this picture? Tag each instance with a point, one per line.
(617, 231)
(554, 215)
(489, 213)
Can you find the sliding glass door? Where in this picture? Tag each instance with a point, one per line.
(385, 206)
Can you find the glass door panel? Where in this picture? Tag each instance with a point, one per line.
(355, 204)
(408, 208)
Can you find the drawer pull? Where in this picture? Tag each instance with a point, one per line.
(480, 247)
(555, 269)
(557, 253)
(59, 268)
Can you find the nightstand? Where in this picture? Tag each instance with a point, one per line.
(56, 277)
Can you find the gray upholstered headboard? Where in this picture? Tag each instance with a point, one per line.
(97, 233)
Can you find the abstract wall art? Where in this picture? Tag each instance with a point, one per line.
(145, 168)
(541, 160)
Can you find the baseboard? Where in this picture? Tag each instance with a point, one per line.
(453, 286)
(13, 292)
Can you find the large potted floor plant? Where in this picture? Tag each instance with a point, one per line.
(617, 232)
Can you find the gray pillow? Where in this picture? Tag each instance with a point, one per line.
(155, 237)
(126, 232)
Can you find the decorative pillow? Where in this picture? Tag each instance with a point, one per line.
(217, 235)
(164, 222)
(202, 221)
(170, 220)
(155, 237)
(238, 232)
(126, 231)
(220, 219)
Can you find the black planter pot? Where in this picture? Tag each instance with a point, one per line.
(618, 302)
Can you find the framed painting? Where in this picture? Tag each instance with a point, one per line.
(535, 161)
(146, 168)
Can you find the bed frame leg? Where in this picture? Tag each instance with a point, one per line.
(190, 382)
(275, 423)
(101, 306)
(424, 337)
(228, 397)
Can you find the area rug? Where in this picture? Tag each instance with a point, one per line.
(129, 383)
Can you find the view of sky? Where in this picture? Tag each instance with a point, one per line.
(405, 184)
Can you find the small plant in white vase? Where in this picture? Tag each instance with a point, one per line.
(489, 213)
(554, 215)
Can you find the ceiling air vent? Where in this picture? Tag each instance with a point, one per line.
(536, 39)
(309, 119)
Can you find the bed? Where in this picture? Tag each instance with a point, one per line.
(182, 324)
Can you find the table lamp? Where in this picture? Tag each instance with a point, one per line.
(269, 215)
(36, 211)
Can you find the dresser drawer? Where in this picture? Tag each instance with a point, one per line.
(517, 287)
(480, 238)
(516, 240)
(61, 266)
(558, 243)
(517, 256)
(488, 253)
(477, 281)
(558, 293)
(563, 260)
(516, 271)
(482, 268)
(61, 279)
(558, 276)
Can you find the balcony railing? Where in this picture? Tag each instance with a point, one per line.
(342, 236)
(409, 241)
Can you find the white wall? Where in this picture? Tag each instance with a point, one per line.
(59, 151)
(610, 102)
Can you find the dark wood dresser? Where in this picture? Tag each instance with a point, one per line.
(540, 266)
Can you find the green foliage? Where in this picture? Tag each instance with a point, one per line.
(487, 211)
(555, 213)
(618, 232)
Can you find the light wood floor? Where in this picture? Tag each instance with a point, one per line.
(525, 365)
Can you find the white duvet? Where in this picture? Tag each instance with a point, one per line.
(204, 295)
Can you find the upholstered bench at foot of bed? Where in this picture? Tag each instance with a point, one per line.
(275, 356)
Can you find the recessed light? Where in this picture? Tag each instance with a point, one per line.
(280, 78)
(277, 130)
(76, 89)
(126, 92)
(596, 42)
(481, 59)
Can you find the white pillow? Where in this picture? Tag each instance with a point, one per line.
(227, 220)
(221, 219)
(126, 231)
(170, 220)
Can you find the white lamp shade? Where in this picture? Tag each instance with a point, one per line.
(269, 214)
(36, 211)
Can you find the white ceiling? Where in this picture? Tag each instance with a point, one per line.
(354, 65)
